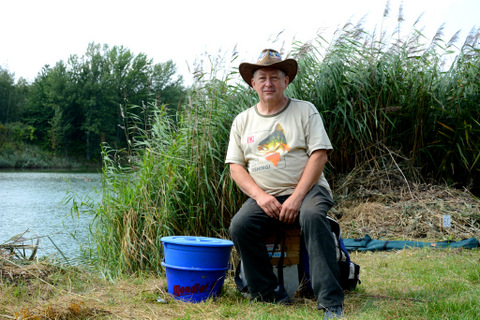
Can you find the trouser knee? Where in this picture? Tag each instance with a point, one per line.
(235, 228)
(313, 217)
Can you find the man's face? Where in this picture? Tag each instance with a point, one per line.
(269, 84)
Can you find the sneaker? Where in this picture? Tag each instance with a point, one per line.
(335, 312)
(278, 296)
(281, 297)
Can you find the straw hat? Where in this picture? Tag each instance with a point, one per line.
(271, 59)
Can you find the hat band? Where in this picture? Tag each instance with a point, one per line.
(272, 54)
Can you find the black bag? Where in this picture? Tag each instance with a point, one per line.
(349, 271)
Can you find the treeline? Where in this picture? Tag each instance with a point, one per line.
(74, 106)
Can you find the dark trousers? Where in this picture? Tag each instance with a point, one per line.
(248, 230)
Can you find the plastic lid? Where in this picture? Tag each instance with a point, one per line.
(193, 268)
(197, 241)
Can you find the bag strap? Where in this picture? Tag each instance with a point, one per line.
(279, 239)
(281, 235)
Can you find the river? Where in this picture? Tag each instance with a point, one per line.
(37, 201)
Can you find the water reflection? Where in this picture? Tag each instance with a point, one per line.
(33, 201)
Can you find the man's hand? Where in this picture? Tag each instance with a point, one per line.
(270, 205)
(244, 181)
(311, 174)
(290, 209)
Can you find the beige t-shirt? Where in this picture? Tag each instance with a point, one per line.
(275, 149)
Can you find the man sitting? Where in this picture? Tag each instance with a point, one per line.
(276, 153)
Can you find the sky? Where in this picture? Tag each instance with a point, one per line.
(35, 33)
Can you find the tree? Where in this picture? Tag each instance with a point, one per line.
(12, 96)
(58, 129)
(167, 88)
(50, 109)
(75, 106)
(19, 100)
(7, 88)
(36, 113)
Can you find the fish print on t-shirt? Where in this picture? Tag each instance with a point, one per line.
(274, 146)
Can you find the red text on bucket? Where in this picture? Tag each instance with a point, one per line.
(197, 288)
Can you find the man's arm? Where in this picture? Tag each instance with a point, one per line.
(244, 181)
(311, 175)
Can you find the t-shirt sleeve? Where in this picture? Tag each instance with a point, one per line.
(316, 135)
(234, 151)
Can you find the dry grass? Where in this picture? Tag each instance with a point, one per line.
(420, 217)
(406, 284)
(132, 297)
(384, 204)
(75, 294)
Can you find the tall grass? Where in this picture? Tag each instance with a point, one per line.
(401, 95)
(378, 96)
(175, 181)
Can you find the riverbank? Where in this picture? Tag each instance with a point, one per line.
(425, 283)
(29, 156)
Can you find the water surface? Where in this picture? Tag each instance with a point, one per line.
(34, 201)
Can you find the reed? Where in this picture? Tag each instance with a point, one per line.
(400, 93)
(173, 181)
(382, 99)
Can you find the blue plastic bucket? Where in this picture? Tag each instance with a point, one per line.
(194, 285)
(195, 267)
(196, 252)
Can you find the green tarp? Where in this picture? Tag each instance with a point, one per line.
(368, 244)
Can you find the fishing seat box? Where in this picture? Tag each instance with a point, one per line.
(291, 250)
